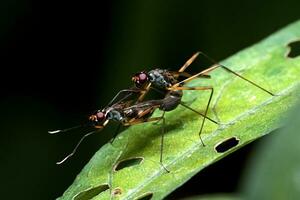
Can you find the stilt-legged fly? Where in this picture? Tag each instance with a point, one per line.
(127, 114)
(165, 80)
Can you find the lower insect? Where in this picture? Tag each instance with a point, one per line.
(127, 114)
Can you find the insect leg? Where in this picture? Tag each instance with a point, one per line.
(188, 62)
(208, 103)
(215, 66)
(162, 142)
(138, 121)
(115, 134)
(144, 92)
(195, 111)
(187, 75)
(251, 82)
(129, 93)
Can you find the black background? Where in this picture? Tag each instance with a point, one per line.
(62, 59)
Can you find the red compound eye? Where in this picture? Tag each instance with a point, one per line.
(140, 78)
(100, 116)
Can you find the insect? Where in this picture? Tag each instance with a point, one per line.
(165, 80)
(127, 114)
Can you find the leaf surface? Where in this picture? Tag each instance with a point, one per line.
(274, 172)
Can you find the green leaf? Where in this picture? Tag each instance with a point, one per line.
(246, 113)
(274, 173)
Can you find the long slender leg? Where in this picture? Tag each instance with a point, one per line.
(210, 97)
(115, 134)
(251, 82)
(205, 113)
(193, 77)
(191, 60)
(162, 142)
(138, 121)
(215, 66)
(190, 88)
(188, 62)
(129, 91)
(187, 75)
(195, 111)
(144, 92)
(76, 147)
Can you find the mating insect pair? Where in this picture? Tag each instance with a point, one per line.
(130, 112)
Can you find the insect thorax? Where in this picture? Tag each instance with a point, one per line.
(115, 115)
(161, 78)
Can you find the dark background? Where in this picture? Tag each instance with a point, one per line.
(60, 60)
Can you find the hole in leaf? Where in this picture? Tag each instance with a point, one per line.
(146, 196)
(92, 192)
(117, 192)
(226, 145)
(294, 49)
(128, 163)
